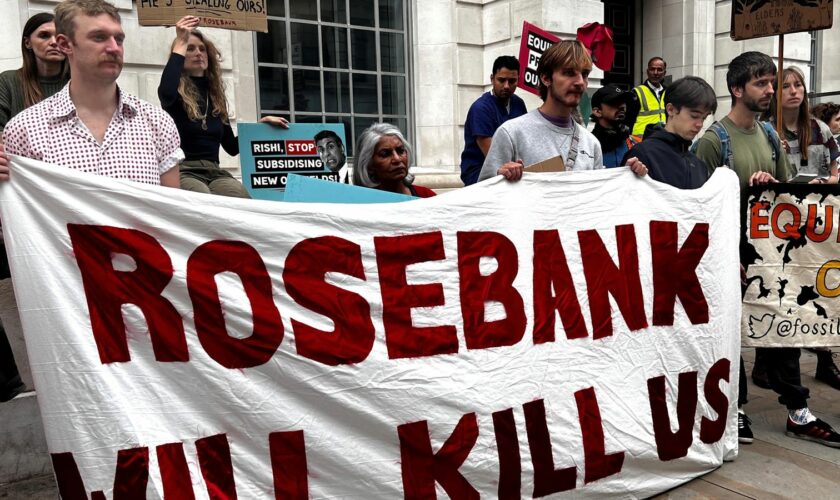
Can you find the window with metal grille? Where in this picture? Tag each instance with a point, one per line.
(329, 61)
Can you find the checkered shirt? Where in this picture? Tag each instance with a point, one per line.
(141, 142)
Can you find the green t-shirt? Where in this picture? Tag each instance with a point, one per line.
(751, 153)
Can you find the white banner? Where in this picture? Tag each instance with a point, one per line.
(571, 333)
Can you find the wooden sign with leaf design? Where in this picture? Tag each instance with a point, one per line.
(757, 18)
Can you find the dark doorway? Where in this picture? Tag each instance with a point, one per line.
(620, 16)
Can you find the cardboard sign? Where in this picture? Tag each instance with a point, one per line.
(267, 154)
(571, 332)
(793, 267)
(242, 15)
(555, 164)
(757, 18)
(535, 41)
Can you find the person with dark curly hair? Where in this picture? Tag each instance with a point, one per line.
(829, 113)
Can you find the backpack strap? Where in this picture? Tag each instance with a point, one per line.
(773, 139)
(723, 136)
(725, 148)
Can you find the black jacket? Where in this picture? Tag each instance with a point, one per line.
(668, 159)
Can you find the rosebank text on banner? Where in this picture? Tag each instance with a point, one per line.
(577, 334)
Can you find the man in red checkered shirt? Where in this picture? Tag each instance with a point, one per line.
(91, 125)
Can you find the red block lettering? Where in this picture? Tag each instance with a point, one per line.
(757, 219)
(288, 463)
(393, 255)
(603, 278)
(130, 479)
(216, 467)
(791, 229)
(174, 473)
(547, 479)
(551, 271)
(671, 445)
(811, 223)
(107, 289)
(510, 466)
(675, 272)
(421, 468)
(712, 430)
(239, 258)
(476, 289)
(300, 148)
(598, 464)
(306, 268)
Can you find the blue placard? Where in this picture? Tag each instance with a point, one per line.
(311, 190)
(268, 154)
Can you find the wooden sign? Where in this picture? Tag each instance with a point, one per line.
(242, 15)
(757, 18)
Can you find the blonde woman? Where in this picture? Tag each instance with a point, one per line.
(192, 91)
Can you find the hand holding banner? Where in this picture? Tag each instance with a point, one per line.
(575, 333)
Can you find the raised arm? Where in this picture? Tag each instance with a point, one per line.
(168, 88)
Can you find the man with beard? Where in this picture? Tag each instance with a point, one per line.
(489, 112)
(646, 106)
(752, 151)
(609, 104)
(92, 125)
(549, 130)
(331, 150)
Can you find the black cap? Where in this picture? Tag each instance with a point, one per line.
(610, 94)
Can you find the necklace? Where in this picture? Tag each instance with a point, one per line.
(206, 109)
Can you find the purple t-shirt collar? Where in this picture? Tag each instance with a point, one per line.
(560, 121)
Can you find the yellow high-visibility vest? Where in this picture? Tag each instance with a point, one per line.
(651, 110)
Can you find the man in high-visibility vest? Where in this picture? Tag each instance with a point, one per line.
(647, 105)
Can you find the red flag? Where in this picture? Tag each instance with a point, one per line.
(598, 38)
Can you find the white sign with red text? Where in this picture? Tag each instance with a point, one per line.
(792, 277)
(572, 333)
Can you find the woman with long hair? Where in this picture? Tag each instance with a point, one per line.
(192, 91)
(808, 142)
(44, 71)
(811, 149)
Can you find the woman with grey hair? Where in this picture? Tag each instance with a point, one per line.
(382, 161)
